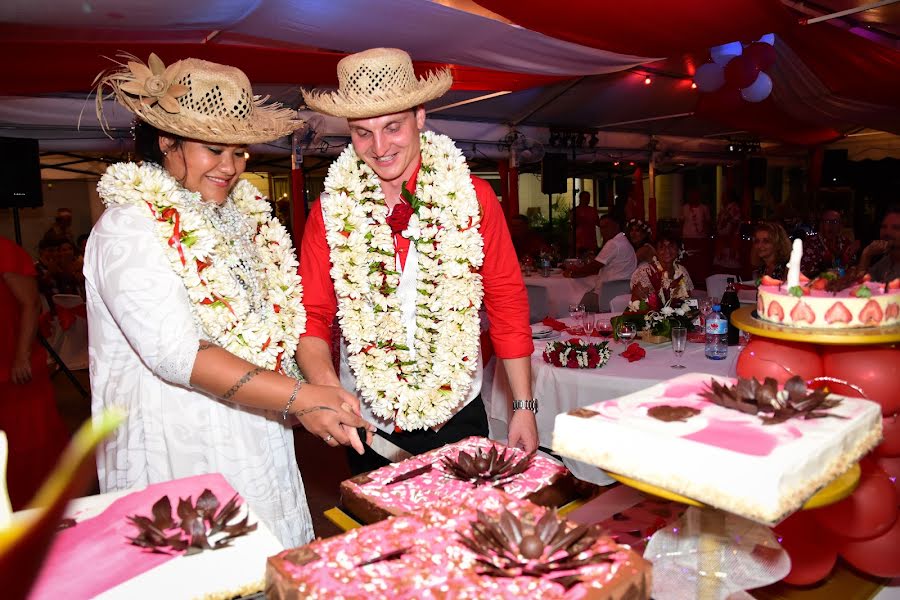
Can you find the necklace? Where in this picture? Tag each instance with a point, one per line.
(236, 261)
(419, 387)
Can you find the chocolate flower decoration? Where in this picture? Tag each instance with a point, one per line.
(550, 549)
(489, 467)
(153, 83)
(197, 523)
(771, 404)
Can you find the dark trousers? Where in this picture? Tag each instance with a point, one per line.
(471, 420)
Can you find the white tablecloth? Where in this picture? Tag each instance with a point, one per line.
(561, 292)
(561, 390)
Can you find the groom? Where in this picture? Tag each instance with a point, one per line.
(403, 245)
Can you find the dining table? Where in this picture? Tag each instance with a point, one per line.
(558, 292)
(561, 389)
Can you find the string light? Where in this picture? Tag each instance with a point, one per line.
(693, 85)
(647, 80)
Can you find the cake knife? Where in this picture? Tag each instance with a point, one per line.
(383, 446)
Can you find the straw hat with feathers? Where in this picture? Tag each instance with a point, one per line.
(379, 81)
(195, 99)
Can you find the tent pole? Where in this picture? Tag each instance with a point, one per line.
(298, 192)
(652, 199)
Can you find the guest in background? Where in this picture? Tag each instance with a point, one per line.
(80, 245)
(69, 278)
(771, 251)
(616, 260)
(47, 267)
(887, 268)
(695, 231)
(527, 242)
(587, 219)
(728, 226)
(828, 247)
(62, 226)
(663, 278)
(639, 234)
(28, 414)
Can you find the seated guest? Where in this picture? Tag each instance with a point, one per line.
(771, 251)
(887, 267)
(616, 260)
(664, 278)
(828, 247)
(639, 234)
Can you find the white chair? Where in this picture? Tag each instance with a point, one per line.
(716, 284)
(72, 344)
(619, 303)
(611, 289)
(538, 303)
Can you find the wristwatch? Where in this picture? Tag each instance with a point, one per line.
(531, 405)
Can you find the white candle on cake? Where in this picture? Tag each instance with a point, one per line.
(793, 274)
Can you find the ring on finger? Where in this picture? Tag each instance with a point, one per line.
(328, 438)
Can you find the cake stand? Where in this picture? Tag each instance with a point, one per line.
(745, 319)
(710, 546)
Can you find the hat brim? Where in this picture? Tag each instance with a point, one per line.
(266, 123)
(358, 106)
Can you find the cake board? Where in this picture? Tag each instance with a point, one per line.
(745, 319)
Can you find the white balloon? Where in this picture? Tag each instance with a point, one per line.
(722, 54)
(759, 90)
(709, 77)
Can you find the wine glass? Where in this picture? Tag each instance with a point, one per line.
(679, 340)
(576, 312)
(588, 323)
(604, 327)
(627, 332)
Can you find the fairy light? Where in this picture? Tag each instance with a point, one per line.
(647, 80)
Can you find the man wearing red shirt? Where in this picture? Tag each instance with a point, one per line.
(413, 242)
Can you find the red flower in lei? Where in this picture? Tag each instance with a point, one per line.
(399, 217)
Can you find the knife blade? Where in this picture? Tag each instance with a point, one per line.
(383, 446)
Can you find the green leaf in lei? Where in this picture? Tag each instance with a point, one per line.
(411, 198)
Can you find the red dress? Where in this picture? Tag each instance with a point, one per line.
(28, 414)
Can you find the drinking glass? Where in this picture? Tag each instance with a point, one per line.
(576, 312)
(588, 323)
(679, 340)
(604, 327)
(627, 332)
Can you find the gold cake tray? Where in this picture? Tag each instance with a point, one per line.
(746, 319)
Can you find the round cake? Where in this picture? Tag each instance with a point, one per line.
(819, 304)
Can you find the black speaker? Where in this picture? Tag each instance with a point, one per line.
(756, 171)
(553, 174)
(835, 168)
(20, 172)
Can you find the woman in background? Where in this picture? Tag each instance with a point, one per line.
(771, 251)
(639, 234)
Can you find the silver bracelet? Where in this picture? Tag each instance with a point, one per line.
(287, 408)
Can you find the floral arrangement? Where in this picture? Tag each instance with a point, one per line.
(576, 354)
(658, 322)
(417, 384)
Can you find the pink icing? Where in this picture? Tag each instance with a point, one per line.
(738, 437)
(680, 390)
(436, 485)
(435, 564)
(95, 555)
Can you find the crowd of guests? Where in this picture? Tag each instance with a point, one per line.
(60, 259)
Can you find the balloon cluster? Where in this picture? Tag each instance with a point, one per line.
(739, 69)
(864, 528)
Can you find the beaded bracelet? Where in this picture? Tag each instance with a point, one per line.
(284, 413)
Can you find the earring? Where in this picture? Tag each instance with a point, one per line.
(165, 153)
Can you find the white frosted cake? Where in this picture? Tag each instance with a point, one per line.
(93, 557)
(866, 304)
(671, 436)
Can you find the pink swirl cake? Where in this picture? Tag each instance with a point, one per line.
(419, 556)
(879, 307)
(378, 494)
(719, 456)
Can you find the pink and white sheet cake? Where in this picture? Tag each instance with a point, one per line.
(422, 556)
(384, 492)
(719, 456)
(868, 304)
(94, 558)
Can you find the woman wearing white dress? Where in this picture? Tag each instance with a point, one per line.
(194, 302)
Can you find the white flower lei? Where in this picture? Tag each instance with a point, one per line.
(423, 391)
(259, 320)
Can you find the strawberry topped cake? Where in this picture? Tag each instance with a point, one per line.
(830, 302)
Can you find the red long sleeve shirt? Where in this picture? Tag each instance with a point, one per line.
(504, 290)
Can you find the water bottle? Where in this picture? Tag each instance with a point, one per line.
(545, 266)
(729, 304)
(716, 334)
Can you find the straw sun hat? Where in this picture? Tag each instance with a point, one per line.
(380, 81)
(195, 99)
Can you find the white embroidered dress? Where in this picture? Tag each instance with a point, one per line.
(142, 344)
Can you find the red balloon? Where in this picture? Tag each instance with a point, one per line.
(875, 369)
(740, 72)
(760, 54)
(890, 443)
(779, 360)
(869, 511)
(891, 466)
(813, 552)
(879, 556)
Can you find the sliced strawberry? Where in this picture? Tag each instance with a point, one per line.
(838, 314)
(866, 277)
(760, 306)
(871, 313)
(892, 311)
(894, 284)
(775, 313)
(802, 312)
(766, 280)
(804, 278)
(819, 283)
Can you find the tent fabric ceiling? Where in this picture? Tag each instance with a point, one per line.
(578, 66)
